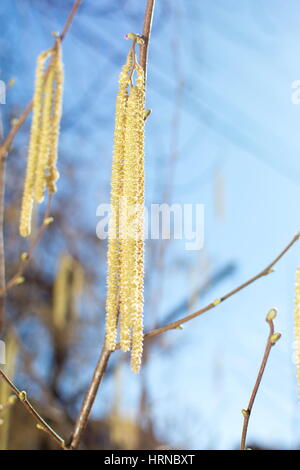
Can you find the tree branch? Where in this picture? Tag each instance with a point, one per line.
(90, 398)
(29, 407)
(6, 145)
(2, 251)
(146, 34)
(272, 338)
(264, 272)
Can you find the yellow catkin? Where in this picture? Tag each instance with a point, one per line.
(137, 325)
(113, 257)
(297, 327)
(44, 150)
(53, 174)
(33, 150)
(126, 229)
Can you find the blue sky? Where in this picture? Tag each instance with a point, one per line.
(235, 62)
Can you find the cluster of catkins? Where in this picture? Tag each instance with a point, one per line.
(41, 172)
(125, 278)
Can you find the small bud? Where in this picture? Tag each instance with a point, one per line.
(40, 427)
(48, 220)
(24, 256)
(23, 396)
(271, 314)
(216, 302)
(147, 113)
(179, 327)
(130, 36)
(20, 280)
(14, 122)
(245, 413)
(275, 337)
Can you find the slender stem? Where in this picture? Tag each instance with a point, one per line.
(146, 34)
(264, 272)
(247, 412)
(6, 145)
(90, 398)
(26, 403)
(99, 372)
(70, 18)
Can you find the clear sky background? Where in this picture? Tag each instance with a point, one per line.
(219, 85)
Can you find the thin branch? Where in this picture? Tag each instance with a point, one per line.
(146, 34)
(99, 372)
(26, 403)
(264, 272)
(6, 145)
(90, 398)
(272, 338)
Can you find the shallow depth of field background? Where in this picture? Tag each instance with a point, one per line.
(223, 132)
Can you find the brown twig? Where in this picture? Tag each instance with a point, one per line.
(99, 372)
(90, 398)
(6, 145)
(146, 34)
(26, 403)
(264, 272)
(272, 338)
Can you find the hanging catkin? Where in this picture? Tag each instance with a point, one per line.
(297, 327)
(126, 249)
(42, 151)
(113, 257)
(33, 150)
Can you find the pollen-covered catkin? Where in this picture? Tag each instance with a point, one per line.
(137, 332)
(40, 181)
(58, 78)
(113, 257)
(128, 281)
(126, 229)
(33, 150)
(297, 327)
(42, 152)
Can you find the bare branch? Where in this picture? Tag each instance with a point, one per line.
(26, 403)
(264, 272)
(272, 338)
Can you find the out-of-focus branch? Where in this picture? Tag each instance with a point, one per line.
(29, 407)
(17, 277)
(2, 252)
(272, 339)
(6, 144)
(264, 272)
